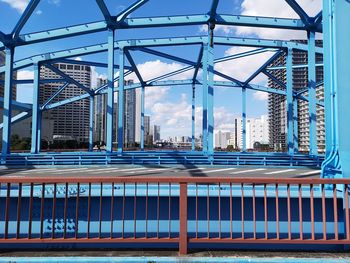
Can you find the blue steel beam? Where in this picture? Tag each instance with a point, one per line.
(103, 88)
(198, 65)
(300, 11)
(181, 83)
(256, 21)
(17, 105)
(68, 78)
(312, 94)
(245, 54)
(19, 117)
(7, 110)
(306, 89)
(166, 21)
(244, 119)
(211, 73)
(124, 14)
(104, 10)
(56, 93)
(213, 8)
(142, 137)
(158, 42)
(167, 56)
(36, 112)
(262, 67)
(193, 119)
(289, 101)
(110, 92)
(120, 129)
(134, 67)
(205, 91)
(274, 79)
(91, 123)
(24, 17)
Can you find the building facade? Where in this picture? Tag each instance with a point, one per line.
(156, 133)
(257, 131)
(2, 77)
(100, 117)
(277, 104)
(71, 121)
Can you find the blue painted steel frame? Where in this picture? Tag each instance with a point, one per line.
(205, 61)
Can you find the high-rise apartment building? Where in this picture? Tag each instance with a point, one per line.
(257, 130)
(129, 116)
(71, 121)
(147, 128)
(156, 133)
(277, 104)
(222, 139)
(2, 77)
(100, 117)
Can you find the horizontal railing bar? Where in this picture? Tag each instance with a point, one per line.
(167, 180)
(91, 240)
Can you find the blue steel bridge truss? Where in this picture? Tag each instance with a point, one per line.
(332, 22)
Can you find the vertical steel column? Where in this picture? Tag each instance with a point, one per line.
(193, 139)
(205, 99)
(289, 73)
(312, 93)
(337, 79)
(91, 123)
(7, 111)
(295, 126)
(244, 119)
(211, 90)
(329, 87)
(36, 113)
(121, 101)
(183, 238)
(110, 92)
(142, 138)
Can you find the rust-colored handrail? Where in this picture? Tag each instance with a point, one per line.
(164, 180)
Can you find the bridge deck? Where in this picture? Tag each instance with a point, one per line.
(200, 171)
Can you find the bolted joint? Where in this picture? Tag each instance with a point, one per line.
(211, 27)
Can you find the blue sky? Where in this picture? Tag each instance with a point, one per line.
(168, 106)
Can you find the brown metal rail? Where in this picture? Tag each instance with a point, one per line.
(182, 237)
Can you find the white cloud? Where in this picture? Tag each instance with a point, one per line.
(156, 68)
(78, 59)
(39, 12)
(243, 68)
(19, 5)
(276, 8)
(261, 96)
(155, 95)
(25, 74)
(175, 117)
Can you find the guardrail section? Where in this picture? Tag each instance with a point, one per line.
(183, 211)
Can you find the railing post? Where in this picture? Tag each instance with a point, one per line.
(183, 219)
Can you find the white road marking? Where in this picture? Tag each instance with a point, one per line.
(311, 173)
(133, 169)
(220, 170)
(248, 171)
(67, 170)
(101, 171)
(38, 170)
(148, 171)
(281, 171)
